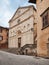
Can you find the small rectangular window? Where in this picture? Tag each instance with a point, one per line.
(41, 0)
(0, 30)
(45, 19)
(1, 38)
(18, 21)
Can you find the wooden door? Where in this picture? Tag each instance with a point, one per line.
(19, 42)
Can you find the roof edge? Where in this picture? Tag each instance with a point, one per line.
(4, 27)
(22, 8)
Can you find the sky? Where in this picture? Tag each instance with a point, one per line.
(8, 8)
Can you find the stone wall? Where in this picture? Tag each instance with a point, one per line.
(42, 34)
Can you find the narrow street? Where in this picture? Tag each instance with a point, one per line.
(12, 59)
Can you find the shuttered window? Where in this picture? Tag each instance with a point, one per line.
(45, 19)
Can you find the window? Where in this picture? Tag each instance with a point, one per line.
(28, 25)
(7, 34)
(1, 38)
(41, 0)
(0, 30)
(18, 21)
(24, 26)
(19, 11)
(45, 19)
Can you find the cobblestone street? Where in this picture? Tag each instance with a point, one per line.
(12, 59)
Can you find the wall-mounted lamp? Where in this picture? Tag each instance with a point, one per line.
(48, 40)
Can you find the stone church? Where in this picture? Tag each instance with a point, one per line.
(23, 30)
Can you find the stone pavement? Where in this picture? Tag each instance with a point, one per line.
(12, 59)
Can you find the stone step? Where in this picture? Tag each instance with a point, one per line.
(11, 50)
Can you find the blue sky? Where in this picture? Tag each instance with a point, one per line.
(7, 9)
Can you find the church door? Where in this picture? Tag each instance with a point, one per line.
(19, 42)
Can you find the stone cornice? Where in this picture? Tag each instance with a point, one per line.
(19, 15)
(23, 12)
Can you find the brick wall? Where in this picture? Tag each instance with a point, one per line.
(3, 37)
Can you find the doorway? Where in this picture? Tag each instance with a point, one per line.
(19, 42)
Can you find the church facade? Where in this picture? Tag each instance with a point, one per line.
(21, 30)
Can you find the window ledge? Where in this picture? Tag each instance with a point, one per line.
(45, 27)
